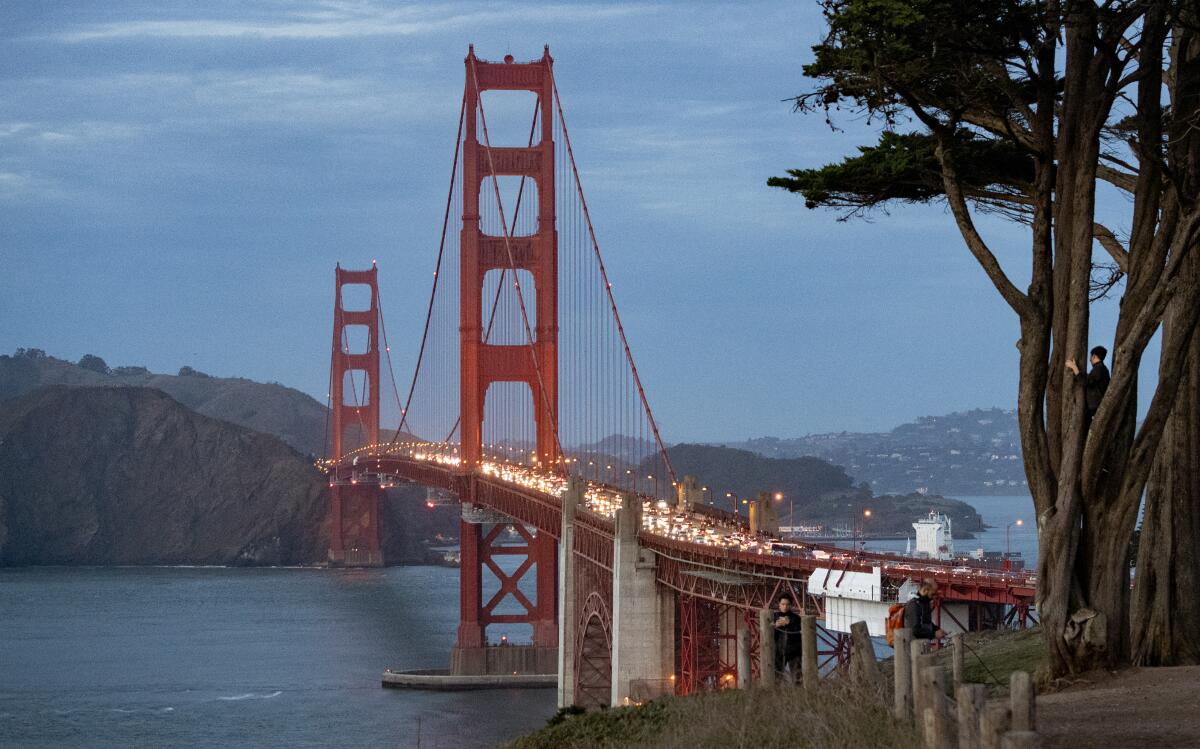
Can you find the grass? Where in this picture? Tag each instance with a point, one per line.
(836, 715)
(992, 656)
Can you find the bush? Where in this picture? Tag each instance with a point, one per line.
(93, 363)
(189, 372)
(836, 715)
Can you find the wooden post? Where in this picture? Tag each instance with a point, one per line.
(957, 642)
(933, 689)
(864, 669)
(766, 648)
(1020, 740)
(1022, 701)
(743, 652)
(937, 690)
(970, 698)
(993, 725)
(808, 643)
(928, 726)
(922, 696)
(903, 675)
(916, 649)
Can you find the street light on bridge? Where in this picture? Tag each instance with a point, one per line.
(1007, 542)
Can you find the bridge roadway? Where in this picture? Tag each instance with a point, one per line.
(703, 551)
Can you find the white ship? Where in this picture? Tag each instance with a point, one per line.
(934, 539)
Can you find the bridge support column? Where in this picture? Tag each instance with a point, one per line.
(640, 625)
(566, 593)
(483, 547)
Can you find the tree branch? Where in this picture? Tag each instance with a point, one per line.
(966, 226)
(1112, 246)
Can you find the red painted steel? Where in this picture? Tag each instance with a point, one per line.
(535, 363)
(715, 587)
(354, 507)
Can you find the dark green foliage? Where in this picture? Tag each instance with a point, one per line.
(745, 473)
(905, 167)
(887, 55)
(189, 372)
(94, 363)
(935, 63)
(835, 715)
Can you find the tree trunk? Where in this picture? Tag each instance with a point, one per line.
(1166, 596)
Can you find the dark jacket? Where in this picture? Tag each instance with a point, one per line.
(918, 616)
(1094, 385)
(787, 637)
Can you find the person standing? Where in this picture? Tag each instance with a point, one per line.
(918, 613)
(1095, 383)
(787, 641)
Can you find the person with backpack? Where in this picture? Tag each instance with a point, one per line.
(918, 613)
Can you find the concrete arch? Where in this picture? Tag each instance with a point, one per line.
(593, 654)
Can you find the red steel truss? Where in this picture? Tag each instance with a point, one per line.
(534, 362)
(354, 410)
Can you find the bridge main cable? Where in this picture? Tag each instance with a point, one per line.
(608, 288)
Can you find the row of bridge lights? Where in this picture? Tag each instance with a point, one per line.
(658, 516)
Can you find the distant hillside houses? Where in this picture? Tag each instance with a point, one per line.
(975, 452)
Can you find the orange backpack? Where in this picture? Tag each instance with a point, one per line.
(895, 621)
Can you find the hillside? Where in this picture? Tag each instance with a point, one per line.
(126, 475)
(974, 452)
(818, 491)
(294, 417)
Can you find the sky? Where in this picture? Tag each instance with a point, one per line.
(177, 181)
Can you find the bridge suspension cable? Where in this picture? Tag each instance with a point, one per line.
(604, 429)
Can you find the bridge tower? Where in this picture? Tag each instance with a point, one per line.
(354, 404)
(532, 363)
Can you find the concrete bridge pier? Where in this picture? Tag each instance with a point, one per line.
(566, 593)
(643, 637)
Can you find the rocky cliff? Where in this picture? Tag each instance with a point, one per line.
(128, 475)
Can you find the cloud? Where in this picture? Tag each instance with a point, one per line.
(349, 20)
(79, 133)
(24, 186)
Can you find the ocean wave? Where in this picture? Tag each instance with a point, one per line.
(250, 696)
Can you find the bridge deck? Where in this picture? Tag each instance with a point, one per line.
(700, 545)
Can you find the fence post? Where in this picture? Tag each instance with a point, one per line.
(1020, 740)
(743, 652)
(922, 696)
(1022, 701)
(916, 649)
(958, 645)
(933, 685)
(903, 674)
(970, 698)
(808, 643)
(766, 648)
(863, 667)
(993, 725)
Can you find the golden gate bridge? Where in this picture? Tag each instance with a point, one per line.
(526, 404)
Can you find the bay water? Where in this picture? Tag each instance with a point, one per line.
(136, 656)
(158, 657)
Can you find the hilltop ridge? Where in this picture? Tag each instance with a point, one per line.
(975, 452)
(295, 417)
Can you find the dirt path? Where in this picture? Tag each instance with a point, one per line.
(1149, 707)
